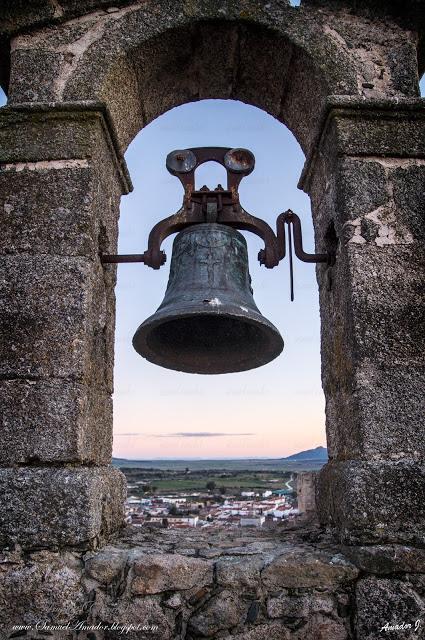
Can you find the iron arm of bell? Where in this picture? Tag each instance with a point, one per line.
(222, 206)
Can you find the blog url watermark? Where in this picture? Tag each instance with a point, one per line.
(119, 627)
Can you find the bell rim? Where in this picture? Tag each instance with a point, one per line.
(276, 343)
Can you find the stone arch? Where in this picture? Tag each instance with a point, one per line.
(140, 64)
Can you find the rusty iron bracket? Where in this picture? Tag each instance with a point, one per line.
(222, 206)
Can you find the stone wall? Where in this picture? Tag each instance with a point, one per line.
(285, 584)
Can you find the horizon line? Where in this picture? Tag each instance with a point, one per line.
(209, 458)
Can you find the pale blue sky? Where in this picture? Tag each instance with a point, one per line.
(271, 411)
(271, 402)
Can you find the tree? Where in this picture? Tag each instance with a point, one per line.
(222, 490)
(173, 511)
(210, 485)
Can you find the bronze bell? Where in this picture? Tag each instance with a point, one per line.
(208, 321)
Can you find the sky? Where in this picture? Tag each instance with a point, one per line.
(271, 411)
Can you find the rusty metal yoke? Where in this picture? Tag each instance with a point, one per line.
(222, 206)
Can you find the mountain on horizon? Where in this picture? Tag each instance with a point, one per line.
(319, 453)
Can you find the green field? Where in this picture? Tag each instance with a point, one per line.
(194, 484)
(229, 476)
(166, 481)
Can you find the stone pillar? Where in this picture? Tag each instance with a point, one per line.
(367, 183)
(60, 183)
(306, 492)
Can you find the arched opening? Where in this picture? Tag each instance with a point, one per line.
(140, 71)
(143, 69)
(270, 412)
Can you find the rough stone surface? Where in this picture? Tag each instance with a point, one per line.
(156, 573)
(392, 513)
(240, 571)
(45, 586)
(192, 598)
(316, 569)
(107, 565)
(181, 595)
(223, 611)
(60, 506)
(306, 492)
(387, 559)
(393, 606)
(54, 420)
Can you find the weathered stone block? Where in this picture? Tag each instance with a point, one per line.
(390, 405)
(142, 619)
(408, 184)
(322, 627)
(154, 573)
(382, 501)
(390, 608)
(239, 572)
(303, 567)
(264, 75)
(388, 303)
(107, 565)
(306, 492)
(290, 607)
(301, 607)
(48, 507)
(44, 589)
(48, 210)
(56, 318)
(45, 134)
(362, 187)
(387, 559)
(55, 420)
(63, 135)
(221, 612)
(382, 130)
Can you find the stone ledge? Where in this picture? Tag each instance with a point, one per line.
(59, 130)
(342, 120)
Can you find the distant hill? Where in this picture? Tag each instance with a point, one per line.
(319, 453)
(292, 463)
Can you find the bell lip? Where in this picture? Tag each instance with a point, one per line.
(155, 319)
